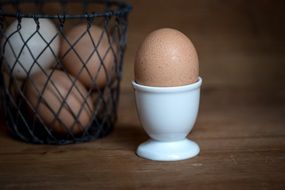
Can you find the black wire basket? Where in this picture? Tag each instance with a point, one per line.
(61, 66)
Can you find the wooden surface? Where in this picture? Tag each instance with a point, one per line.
(241, 123)
(241, 134)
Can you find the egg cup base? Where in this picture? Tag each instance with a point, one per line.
(168, 151)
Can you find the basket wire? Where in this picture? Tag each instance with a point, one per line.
(23, 119)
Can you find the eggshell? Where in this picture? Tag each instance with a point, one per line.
(61, 105)
(90, 58)
(13, 87)
(166, 58)
(102, 102)
(29, 45)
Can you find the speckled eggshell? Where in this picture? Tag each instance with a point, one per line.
(83, 61)
(63, 107)
(166, 58)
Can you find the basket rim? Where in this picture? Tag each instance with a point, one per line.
(122, 9)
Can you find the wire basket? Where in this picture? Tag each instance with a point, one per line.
(61, 66)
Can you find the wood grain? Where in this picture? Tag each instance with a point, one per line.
(241, 123)
(242, 147)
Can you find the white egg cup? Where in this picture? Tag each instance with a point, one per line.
(168, 114)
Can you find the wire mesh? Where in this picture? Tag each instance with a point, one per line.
(61, 66)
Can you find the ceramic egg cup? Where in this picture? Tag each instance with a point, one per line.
(168, 115)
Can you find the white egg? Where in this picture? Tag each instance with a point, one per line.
(29, 50)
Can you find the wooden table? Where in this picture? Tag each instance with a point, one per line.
(241, 123)
(240, 131)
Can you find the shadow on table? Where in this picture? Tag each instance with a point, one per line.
(129, 136)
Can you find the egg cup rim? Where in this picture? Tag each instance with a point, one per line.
(159, 89)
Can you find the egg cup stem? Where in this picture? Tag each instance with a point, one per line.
(168, 114)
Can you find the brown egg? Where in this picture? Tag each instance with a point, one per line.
(83, 61)
(102, 102)
(12, 84)
(166, 58)
(63, 106)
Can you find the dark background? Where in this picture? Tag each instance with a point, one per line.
(240, 43)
